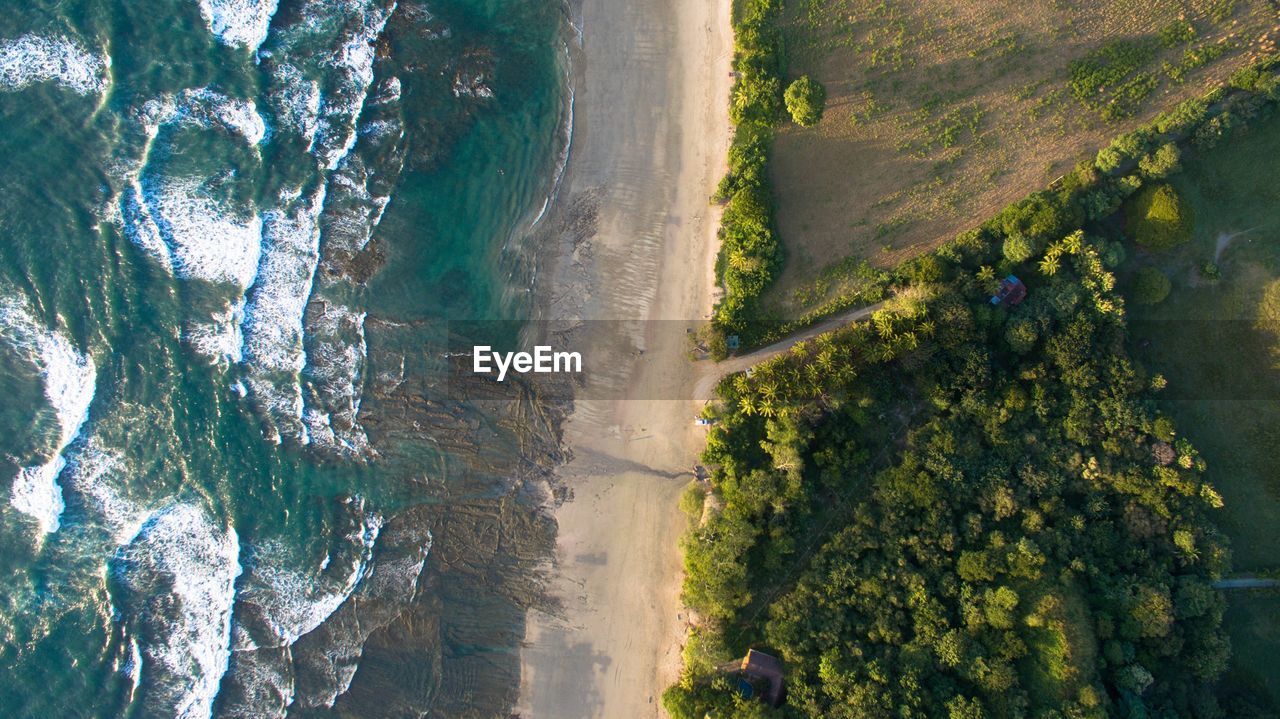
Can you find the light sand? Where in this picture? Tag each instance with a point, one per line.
(650, 139)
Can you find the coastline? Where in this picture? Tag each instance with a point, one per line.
(636, 242)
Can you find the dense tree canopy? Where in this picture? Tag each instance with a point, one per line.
(996, 539)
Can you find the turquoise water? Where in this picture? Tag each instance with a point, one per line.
(230, 235)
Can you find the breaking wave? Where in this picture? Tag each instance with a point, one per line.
(177, 578)
(32, 59)
(273, 348)
(69, 379)
(292, 603)
(241, 23)
(219, 337)
(177, 223)
(279, 604)
(348, 65)
(334, 373)
(95, 477)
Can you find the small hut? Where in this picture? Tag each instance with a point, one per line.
(1010, 292)
(761, 667)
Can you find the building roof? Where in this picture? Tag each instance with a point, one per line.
(758, 665)
(1010, 292)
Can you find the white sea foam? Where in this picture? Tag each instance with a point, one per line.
(32, 59)
(201, 107)
(205, 107)
(219, 338)
(94, 474)
(273, 317)
(273, 349)
(296, 102)
(69, 381)
(295, 602)
(357, 212)
(389, 584)
(241, 23)
(141, 228)
(353, 62)
(133, 667)
(281, 602)
(179, 574)
(202, 239)
(388, 91)
(335, 377)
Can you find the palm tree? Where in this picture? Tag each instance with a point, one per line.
(766, 408)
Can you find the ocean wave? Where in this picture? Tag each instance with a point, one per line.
(353, 66)
(273, 317)
(291, 603)
(334, 378)
(95, 477)
(273, 349)
(241, 23)
(206, 107)
(32, 59)
(327, 658)
(178, 580)
(202, 107)
(193, 235)
(354, 211)
(279, 603)
(219, 337)
(296, 102)
(69, 378)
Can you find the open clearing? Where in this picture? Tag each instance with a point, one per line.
(941, 112)
(1218, 345)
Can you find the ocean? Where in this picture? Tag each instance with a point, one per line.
(234, 235)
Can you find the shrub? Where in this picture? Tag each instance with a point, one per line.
(921, 270)
(805, 100)
(1158, 218)
(1150, 286)
(691, 501)
(1184, 118)
(1162, 162)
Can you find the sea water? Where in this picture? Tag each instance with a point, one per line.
(231, 233)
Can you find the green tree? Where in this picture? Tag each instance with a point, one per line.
(1161, 163)
(1150, 286)
(1018, 249)
(1021, 335)
(1158, 219)
(805, 100)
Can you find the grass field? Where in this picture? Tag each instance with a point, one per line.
(941, 112)
(1218, 345)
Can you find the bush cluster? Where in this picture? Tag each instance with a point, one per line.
(750, 253)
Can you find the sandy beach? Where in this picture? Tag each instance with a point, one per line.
(651, 132)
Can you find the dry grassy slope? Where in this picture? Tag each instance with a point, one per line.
(940, 112)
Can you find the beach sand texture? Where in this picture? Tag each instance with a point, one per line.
(651, 133)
